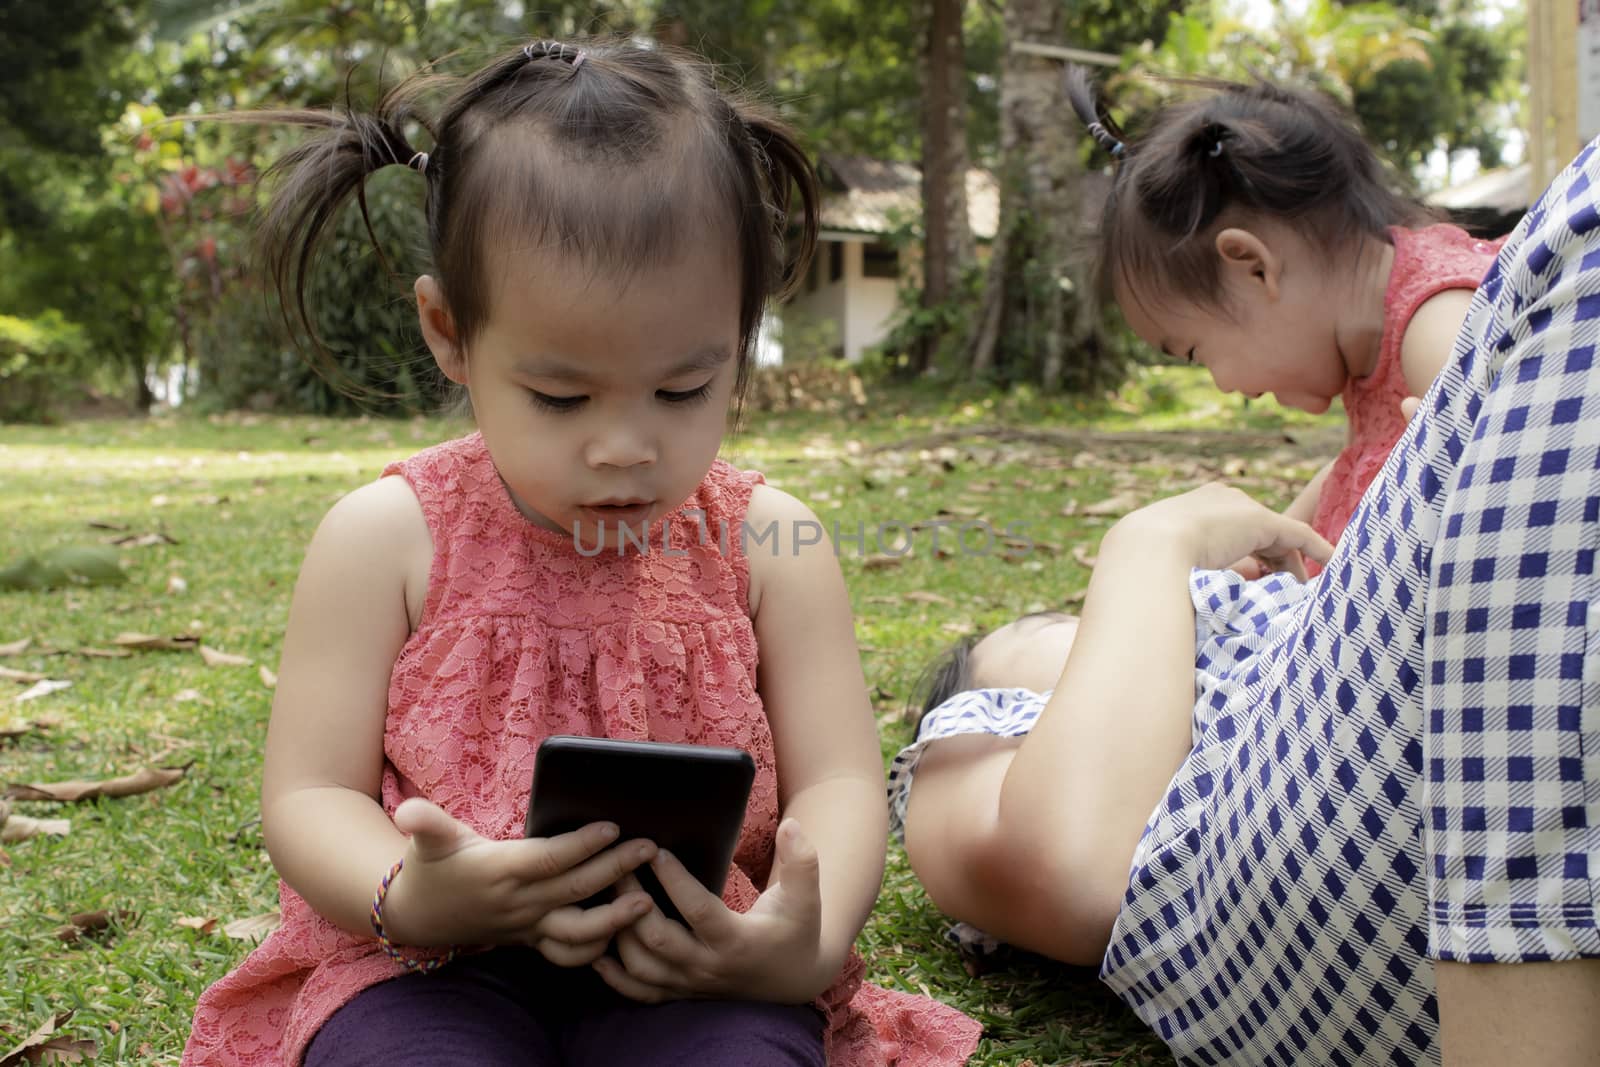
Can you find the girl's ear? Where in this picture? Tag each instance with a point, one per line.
(1247, 262)
(439, 329)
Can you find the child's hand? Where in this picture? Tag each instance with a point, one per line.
(772, 952)
(1216, 526)
(460, 888)
(1409, 406)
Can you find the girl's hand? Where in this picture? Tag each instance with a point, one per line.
(460, 888)
(772, 952)
(1215, 526)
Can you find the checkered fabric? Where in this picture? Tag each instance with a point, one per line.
(1401, 760)
(1004, 712)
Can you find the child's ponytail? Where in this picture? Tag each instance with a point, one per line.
(774, 166)
(1086, 100)
(317, 177)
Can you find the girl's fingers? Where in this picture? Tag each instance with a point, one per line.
(435, 833)
(799, 871)
(659, 950)
(563, 954)
(574, 925)
(571, 874)
(618, 978)
(702, 911)
(549, 857)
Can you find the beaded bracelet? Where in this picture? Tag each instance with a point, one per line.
(410, 963)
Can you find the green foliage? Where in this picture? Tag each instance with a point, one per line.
(1459, 100)
(1417, 78)
(70, 236)
(41, 366)
(63, 566)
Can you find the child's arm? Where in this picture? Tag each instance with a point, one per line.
(830, 763)
(830, 851)
(358, 595)
(1430, 336)
(1303, 507)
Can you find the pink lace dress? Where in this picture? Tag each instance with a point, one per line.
(521, 637)
(1426, 263)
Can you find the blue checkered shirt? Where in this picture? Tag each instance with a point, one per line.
(1401, 762)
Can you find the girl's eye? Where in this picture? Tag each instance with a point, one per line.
(687, 396)
(555, 403)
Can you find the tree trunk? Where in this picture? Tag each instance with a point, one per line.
(947, 234)
(1035, 322)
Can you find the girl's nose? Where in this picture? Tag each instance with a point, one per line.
(621, 445)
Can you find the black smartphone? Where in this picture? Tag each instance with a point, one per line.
(688, 799)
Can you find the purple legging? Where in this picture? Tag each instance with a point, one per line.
(511, 1008)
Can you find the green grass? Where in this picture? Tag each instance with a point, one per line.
(241, 495)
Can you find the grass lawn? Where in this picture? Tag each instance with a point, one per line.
(241, 495)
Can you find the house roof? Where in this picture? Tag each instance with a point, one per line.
(869, 196)
(1506, 190)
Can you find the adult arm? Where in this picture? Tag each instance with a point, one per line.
(1076, 797)
(1491, 1014)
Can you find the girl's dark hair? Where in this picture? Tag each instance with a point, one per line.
(949, 673)
(612, 155)
(1265, 149)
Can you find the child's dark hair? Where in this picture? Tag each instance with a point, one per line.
(1286, 153)
(612, 155)
(949, 673)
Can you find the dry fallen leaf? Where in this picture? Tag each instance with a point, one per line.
(1119, 504)
(11, 674)
(184, 696)
(46, 1045)
(882, 561)
(15, 648)
(1084, 556)
(141, 781)
(268, 678)
(91, 922)
(921, 596)
(141, 540)
(11, 733)
(257, 926)
(196, 923)
(176, 586)
(42, 688)
(144, 642)
(104, 653)
(214, 658)
(21, 827)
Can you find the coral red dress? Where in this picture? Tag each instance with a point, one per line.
(1426, 263)
(523, 636)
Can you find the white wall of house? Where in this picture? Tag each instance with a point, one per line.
(861, 306)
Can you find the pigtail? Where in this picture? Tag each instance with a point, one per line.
(784, 168)
(771, 166)
(316, 178)
(1090, 107)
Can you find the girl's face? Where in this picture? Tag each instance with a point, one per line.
(1273, 330)
(601, 399)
